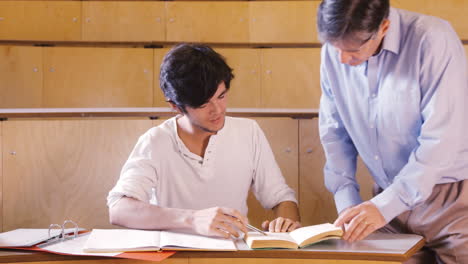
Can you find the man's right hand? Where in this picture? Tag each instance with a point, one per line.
(219, 222)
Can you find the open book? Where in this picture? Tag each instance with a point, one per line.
(299, 238)
(125, 240)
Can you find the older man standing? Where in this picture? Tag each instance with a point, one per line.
(394, 90)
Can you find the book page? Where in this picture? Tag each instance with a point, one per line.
(178, 241)
(302, 234)
(121, 240)
(271, 240)
(270, 236)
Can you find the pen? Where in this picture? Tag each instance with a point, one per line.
(251, 227)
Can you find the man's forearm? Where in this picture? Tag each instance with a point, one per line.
(131, 213)
(287, 209)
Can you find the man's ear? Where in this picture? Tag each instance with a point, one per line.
(175, 108)
(384, 26)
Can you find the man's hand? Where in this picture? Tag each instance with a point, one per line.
(280, 224)
(219, 222)
(360, 221)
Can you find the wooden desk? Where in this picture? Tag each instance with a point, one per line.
(378, 248)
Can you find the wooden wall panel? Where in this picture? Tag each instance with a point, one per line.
(317, 203)
(283, 21)
(282, 135)
(245, 87)
(98, 77)
(123, 21)
(40, 20)
(63, 169)
(20, 76)
(207, 21)
(291, 78)
(158, 96)
(453, 11)
(466, 52)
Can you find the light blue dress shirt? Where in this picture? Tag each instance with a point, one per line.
(403, 111)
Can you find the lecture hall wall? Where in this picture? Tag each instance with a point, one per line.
(94, 54)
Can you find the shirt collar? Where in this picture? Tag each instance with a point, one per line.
(391, 41)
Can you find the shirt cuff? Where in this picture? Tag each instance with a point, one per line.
(389, 204)
(347, 197)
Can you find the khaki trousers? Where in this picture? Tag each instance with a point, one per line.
(442, 220)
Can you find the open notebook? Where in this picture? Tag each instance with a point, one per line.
(298, 238)
(126, 240)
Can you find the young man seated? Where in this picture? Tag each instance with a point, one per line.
(200, 164)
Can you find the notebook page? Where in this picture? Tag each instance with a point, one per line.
(75, 247)
(189, 241)
(116, 240)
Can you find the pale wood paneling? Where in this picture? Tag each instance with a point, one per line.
(466, 52)
(123, 21)
(365, 180)
(245, 87)
(207, 21)
(20, 76)
(158, 95)
(40, 20)
(98, 77)
(283, 21)
(63, 169)
(282, 135)
(316, 202)
(291, 78)
(453, 11)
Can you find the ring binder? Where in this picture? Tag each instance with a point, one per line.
(63, 234)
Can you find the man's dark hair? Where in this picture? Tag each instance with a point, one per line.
(191, 73)
(341, 19)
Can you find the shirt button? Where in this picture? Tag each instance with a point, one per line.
(376, 157)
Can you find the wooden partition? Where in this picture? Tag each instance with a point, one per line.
(466, 52)
(40, 20)
(124, 21)
(283, 21)
(316, 203)
(21, 76)
(282, 135)
(98, 77)
(245, 88)
(63, 169)
(158, 96)
(207, 21)
(291, 78)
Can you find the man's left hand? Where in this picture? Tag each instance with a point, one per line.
(280, 224)
(360, 221)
